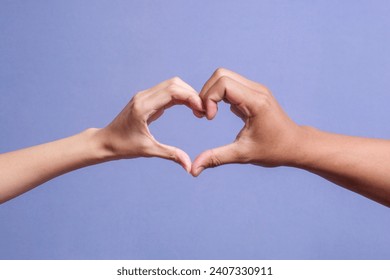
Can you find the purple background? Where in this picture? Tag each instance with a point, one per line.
(69, 65)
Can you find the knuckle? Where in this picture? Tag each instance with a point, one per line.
(263, 101)
(266, 91)
(137, 96)
(137, 109)
(190, 100)
(220, 71)
(224, 81)
(136, 104)
(175, 80)
(214, 160)
(173, 88)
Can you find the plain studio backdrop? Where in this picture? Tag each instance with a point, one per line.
(69, 65)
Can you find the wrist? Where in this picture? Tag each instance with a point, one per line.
(97, 144)
(304, 147)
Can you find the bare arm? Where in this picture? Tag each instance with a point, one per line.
(127, 136)
(359, 164)
(25, 169)
(270, 138)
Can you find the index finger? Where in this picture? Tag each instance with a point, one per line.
(222, 72)
(174, 94)
(237, 94)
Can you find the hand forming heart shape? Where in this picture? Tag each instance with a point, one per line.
(268, 137)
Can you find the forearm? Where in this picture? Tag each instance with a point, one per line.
(359, 164)
(25, 169)
(127, 136)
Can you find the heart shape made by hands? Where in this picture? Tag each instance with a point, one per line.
(268, 137)
(179, 128)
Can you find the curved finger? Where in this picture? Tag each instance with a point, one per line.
(223, 72)
(236, 94)
(171, 153)
(216, 157)
(155, 116)
(237, 112)
(172, 81)
(174, 94)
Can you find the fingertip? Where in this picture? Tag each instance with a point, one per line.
(196, 172)
(198, 165)
(211, 109)
(184, 160)
(172, 153)
(209, 116)
(186, 167)
(193, 174)
(195, 102)
(199, 104)
(198, 114)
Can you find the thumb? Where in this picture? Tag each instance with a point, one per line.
(215, 157)
(171, 153)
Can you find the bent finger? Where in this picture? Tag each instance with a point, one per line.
(172, 81)
(171, 153)
(234, 92)
(215, 157)
(223, 72)
(174, 94)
